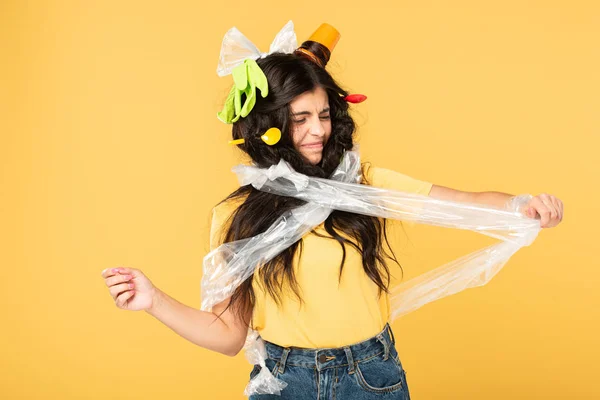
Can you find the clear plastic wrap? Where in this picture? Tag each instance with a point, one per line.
(236, 47)
(264, 382)
(227, 266)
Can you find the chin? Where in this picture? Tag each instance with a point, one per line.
(314, 160)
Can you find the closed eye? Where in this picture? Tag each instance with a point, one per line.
(300, 121)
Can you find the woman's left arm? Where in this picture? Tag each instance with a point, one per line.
(547, 206)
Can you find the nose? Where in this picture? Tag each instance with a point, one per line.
(317, 128)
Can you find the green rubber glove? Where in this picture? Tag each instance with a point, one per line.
(247, 77)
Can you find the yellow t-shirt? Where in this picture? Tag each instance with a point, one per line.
(332, 315)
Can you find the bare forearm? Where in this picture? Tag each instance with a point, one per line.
(493, 199)
(199, 327)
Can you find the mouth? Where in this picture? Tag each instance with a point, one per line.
(315, 145)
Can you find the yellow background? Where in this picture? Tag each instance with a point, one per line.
(111, 154)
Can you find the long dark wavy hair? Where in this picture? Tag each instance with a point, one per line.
(290, 75)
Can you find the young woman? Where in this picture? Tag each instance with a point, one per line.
(321, 305)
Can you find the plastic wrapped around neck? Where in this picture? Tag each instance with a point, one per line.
(227, 266)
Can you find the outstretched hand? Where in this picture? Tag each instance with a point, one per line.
(548, 207)
(130, 288)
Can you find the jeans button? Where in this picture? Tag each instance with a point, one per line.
(322, 358)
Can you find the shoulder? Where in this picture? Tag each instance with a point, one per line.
(386, 178)
(220, 218)
(227, 207)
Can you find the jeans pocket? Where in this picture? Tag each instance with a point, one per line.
(271, 364)
(380, 376)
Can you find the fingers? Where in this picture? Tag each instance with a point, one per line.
(108, 272)
(121, 299)
(541, 208)
(558, 205)
(549, 208)
(113, 280)
(116, 290)
(562, 213)
(125, 270)
(118, 281)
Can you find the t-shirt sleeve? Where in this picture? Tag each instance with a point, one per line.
(389, 179)
(220, 221)
(216, 223)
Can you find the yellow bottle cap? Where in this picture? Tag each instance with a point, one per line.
(327, 35)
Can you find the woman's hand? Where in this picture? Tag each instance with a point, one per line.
(130, 288)
(548, 207)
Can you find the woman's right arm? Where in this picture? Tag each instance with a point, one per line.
(225, 334)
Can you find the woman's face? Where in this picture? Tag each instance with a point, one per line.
(311, 124)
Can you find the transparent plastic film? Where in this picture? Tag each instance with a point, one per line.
(227, 266)
(503, 224)
(264, 382)
(230, 264)
(236, 47)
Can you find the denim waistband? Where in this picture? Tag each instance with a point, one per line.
(324, 358)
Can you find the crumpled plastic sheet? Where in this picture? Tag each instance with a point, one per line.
(227, 266)
(236, 47)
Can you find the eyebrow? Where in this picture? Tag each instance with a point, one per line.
(308, 112)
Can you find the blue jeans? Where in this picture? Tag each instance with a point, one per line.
(367, 370)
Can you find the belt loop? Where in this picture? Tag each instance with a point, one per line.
(386, 346)
(391, 334)
(283, 360)
(350, 360)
